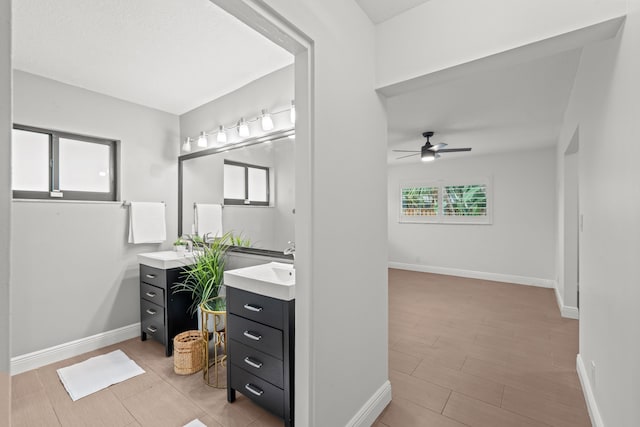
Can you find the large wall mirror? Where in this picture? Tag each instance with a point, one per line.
(254, 182)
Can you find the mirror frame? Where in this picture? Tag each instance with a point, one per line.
(268, 137)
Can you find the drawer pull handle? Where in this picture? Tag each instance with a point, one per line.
(151, 294)
(255, 308)
(253, 389)
(151, 276)
(252, 335)
(151, 311)
(252, 363)
(152, 329)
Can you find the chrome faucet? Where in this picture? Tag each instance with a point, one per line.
(189, 239)
(291, 250)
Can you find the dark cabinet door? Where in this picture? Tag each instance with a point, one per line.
(163, 313)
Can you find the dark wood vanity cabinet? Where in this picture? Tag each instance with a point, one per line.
(261, 351)
(163, 314)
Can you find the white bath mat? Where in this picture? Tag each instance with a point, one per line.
(97, 373)
(195, 423)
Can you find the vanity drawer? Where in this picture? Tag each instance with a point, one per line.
(152, 293)
(264, 394)
(153, 276)
(152, 328)
(257, 363)
(151, 312)
(260, 308)
(255, 335)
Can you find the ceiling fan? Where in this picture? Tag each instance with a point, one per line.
(429, 152)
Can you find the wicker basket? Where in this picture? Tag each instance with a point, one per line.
(188, 353)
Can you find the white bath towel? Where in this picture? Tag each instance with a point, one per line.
(147, 222)
(209, 219)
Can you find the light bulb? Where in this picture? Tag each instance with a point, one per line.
(292, 112)
(243, 129)
(222, 135)
(202, 140)
(428, 156)
(186, 146)
(266, 121)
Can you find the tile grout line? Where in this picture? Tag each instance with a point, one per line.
(447, 402)
(46, 393)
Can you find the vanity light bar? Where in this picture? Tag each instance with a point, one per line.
(241, 126)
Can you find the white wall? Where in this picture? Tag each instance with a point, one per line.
(343, 264)
(5, 209)
(272, 92)
(285, 187)
(440, 34)
(520, 243)
(605, 105)
(74, 275)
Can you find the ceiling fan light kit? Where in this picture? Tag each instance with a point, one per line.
(429, 152)
(426, 155)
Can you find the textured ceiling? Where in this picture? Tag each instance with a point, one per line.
(381, 10)
(166, 54)
(519, 107)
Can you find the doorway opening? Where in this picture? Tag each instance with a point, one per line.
(572, 225)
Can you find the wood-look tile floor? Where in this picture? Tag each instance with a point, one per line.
(462, 352)
(156, 398)
(466, 352)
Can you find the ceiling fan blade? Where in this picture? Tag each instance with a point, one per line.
(406, 151)
(408, 155)
(437, 147)
(453, 150)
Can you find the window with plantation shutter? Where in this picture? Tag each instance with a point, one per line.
(466, 202)
(419, 202)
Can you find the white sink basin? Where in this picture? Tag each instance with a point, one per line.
(275, 279)
(166, 259)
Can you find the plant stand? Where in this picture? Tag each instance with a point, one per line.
(219, 337)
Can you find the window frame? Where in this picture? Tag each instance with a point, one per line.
(246, 201)
(440, 217)
(54, 192)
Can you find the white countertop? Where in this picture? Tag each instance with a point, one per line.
(274, 279)
(166, 259)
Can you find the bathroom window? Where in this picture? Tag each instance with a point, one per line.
(459, 202)
(49, 164)
(245, 184)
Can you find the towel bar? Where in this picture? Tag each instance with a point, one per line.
(126, 203)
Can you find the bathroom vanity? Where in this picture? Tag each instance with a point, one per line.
(261, 336)
(163, 314)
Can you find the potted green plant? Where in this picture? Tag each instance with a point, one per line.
(203, 278)
(198, 241)
(180, 245)
(240, 241)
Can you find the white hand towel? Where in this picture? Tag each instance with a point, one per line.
(147, 223)
(209, 219)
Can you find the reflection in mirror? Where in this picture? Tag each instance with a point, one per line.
(267, 225)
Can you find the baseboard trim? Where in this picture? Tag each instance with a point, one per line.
(565, 310)
(496, 277)
(589, 397)
(36, 359)
(372, 409)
